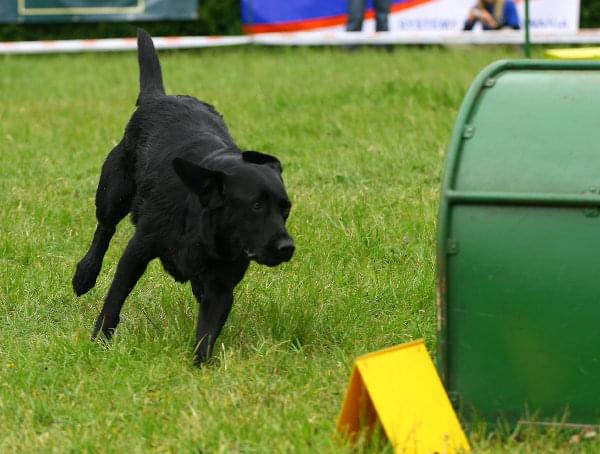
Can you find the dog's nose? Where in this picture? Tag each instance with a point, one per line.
(285, 248)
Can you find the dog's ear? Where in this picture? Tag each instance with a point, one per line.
(255, 157)
(206, 184)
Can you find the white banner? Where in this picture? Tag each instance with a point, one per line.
(553, 16)
(441, 17)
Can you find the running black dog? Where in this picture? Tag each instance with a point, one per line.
(198, 203)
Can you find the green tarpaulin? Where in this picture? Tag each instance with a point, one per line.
(43, 11)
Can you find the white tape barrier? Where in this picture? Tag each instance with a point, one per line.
(118, 44)
(331, 38)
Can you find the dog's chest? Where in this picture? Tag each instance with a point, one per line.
(183, 263)
(171, 266)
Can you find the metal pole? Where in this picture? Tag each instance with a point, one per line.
(527, 43)
(251, 17)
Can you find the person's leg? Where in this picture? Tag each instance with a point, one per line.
(382, 10)
(356, 11)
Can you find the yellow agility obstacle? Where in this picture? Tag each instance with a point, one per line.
(576, 53)
(400, 388)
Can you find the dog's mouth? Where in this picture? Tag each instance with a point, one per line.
(268, 261)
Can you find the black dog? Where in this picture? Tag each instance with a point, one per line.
(198, 203)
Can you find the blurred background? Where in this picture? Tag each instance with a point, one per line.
(26, 19)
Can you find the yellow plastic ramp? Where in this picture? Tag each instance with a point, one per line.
(577, 53)
(400, 388)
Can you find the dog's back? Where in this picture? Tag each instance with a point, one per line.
(164, 128)
(162, 121)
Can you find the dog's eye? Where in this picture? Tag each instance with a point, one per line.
(257, 206)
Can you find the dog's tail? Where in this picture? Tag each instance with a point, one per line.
(151, 83)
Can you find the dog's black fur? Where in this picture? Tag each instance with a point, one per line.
(198, 203)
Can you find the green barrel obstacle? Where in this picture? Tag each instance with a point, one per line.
(519, 246)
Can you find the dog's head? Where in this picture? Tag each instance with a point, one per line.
(250, 202)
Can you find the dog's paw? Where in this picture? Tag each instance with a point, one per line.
(104, 328)
(85, 277)
(202, 363)
(201, 359)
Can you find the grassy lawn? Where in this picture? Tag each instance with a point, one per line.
(362, 137)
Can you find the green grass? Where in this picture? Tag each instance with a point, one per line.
(362, 137)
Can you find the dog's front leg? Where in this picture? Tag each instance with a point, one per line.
(131, 266)
(215, 299)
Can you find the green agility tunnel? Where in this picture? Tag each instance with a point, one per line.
(519, 246)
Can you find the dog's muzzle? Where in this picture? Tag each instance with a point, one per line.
(285, 249)
(278, 252)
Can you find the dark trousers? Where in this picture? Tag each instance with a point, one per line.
(356, 11)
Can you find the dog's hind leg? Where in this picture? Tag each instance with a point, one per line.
(132, 265)
(113, 201)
